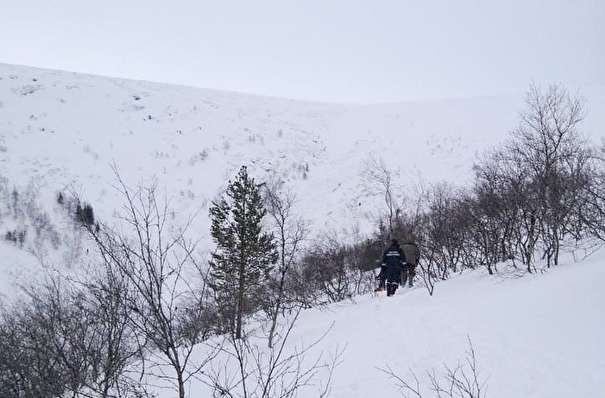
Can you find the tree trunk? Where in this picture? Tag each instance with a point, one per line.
(240, 303)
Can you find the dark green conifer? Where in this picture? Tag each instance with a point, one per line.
(245, 254)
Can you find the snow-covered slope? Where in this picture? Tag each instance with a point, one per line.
(540, 336)
(69, 129)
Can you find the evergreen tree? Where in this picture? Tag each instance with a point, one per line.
(245, 254)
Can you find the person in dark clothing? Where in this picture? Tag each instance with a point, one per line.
(394, 258)
(412, 256)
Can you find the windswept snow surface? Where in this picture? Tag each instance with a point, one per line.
(67, 130)
(535, 336)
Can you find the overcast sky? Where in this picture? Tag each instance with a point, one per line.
(323, 50)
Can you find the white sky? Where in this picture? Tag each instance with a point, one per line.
(336, 50)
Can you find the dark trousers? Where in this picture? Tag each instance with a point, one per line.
(407, 274)
(393, 275)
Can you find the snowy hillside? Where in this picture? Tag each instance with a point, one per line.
(69, 129)
(66, 130)
(536, 336)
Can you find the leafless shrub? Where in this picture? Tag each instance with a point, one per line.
(251, 370)
(62, 340)
(327, 272)
(462, 381)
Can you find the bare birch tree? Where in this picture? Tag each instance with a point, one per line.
(157, 261)
(290, 232)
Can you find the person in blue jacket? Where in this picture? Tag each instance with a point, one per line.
(394, 258)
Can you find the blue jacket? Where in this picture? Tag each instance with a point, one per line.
(394, 258)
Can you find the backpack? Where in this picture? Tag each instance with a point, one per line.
(411, 252)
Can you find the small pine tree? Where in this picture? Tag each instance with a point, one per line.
(245, 254)
(85, 214)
